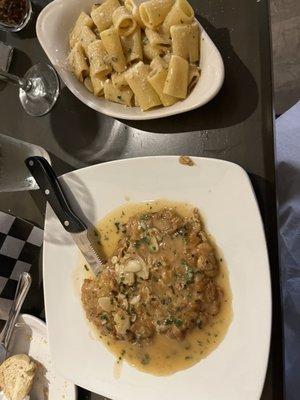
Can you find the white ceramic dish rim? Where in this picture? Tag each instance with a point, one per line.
(116, 110)
(35, 324)
(267, 294)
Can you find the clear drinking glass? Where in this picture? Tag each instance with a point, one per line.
(14, 175)
(38, 89)
(14, 14)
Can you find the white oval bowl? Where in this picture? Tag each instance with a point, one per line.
(53, 27)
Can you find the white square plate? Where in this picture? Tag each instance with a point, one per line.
(53, 26)
(224, 195)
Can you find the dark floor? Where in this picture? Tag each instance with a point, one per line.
(285, 21)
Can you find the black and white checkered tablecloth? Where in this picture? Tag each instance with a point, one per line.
(20, 243)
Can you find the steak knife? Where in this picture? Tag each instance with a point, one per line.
(48, 182)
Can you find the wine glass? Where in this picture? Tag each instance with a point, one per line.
(14, 14)
(38, 89)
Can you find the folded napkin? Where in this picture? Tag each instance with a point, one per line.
(20, 243)
(288, 194)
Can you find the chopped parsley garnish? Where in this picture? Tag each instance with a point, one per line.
(145, 217)
(140, 241)
(189, 273)
(137, 244)
(178, 322)
(119, 97)
(86, 267)
(117, 224)
(188, 276)
(153, 248)
(145, 239)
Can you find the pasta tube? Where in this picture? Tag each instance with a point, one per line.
(177, 78)
(113, 93)
(185, 41)
(136, 77)
(181, 13)
(156, 50)
(112, 44)
(82, 20)
(154, 12)
(102, 15)
(86, 37)
(157, 38)
(119, 80)
(78, 63)
(123, 21)
(98, 85)
(133, 7)
(132, 46)
(157, 79)
(158, 63)
(99, 60)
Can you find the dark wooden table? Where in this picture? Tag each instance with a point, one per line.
(236, 126)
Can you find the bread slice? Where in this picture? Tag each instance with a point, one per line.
(16, 376)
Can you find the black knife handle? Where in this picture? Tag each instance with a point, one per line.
(45, 177)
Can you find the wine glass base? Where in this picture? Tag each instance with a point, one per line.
(43, 92)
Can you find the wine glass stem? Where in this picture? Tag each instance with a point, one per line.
(25, 84)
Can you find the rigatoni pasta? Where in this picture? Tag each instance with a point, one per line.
(78, 62)
(99, 60)
(102, 15)
(98, 85)
(181, 13)
(185, 41)
(132, 46)
(177, 78)
(117, 95)
(133, 7)
(157, 79)
(123, 21)
(153, 12)
(86, 37)
(137, 53)
(150, 52)
(137, 78)
(155, 37)
(112, 43)
(82, 20)
(158, 63)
